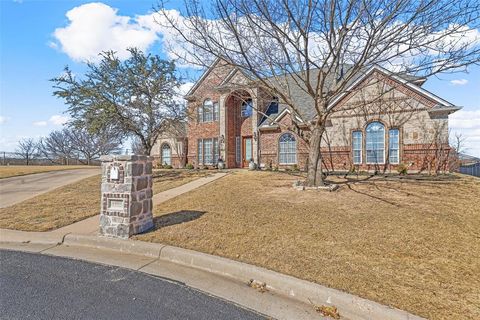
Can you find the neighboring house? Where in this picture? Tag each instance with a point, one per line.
(235, 119)
(171, 146)
(466, 159)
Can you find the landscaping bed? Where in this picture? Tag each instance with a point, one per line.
(405, 243)
(13, 171)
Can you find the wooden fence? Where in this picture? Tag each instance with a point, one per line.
(471, 169)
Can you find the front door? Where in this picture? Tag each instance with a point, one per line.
(246, 151)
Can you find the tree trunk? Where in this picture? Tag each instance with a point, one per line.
(315, 170)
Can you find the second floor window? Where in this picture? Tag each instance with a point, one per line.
(208, 112)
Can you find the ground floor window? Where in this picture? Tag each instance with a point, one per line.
(393, 146)
(287, 149)
(357, 147)
(375, 143)
(166, 154)
(238, 154)
(208, 151)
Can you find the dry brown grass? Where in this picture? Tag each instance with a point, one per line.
(54, 209)
(77, 201)
(164, 179)
(12, 171)
(409, 244)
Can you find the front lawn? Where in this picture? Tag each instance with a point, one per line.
(164, 179)
(414, 245)
(57, 208)
(77, 201)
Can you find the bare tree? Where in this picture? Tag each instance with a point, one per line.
(137, 146)
(27, 149)
(457, 144)
(321, 47)
(58, 147)
(91, 145)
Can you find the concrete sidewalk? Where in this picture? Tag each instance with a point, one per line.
(90, 225)
(17, 189)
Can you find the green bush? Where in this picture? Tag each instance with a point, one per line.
(167, 166)
(189, 166)
(295, 168)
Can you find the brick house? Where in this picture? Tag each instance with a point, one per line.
(171, 146)
(380, 122)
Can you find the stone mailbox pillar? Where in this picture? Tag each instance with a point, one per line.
(126, 207)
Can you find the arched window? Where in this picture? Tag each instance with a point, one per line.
(166, 154)
(208, 111)
(287, 149)
(375, 143)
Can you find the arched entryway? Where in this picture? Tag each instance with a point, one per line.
(239, 138)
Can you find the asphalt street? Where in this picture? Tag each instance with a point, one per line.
(35, 286)
(17, 189)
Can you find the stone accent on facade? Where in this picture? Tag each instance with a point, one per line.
(126, 205)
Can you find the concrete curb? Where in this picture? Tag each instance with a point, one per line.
(125, 246)
(349, 306)
(15, 236)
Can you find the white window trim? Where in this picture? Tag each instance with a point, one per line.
(398, 149)
(361, 147)
(296, 151)
(384, 144)
(201, 143)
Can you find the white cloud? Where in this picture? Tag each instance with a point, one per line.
(3, 119)
(96, 27)
(58, 120)
(459, 82)
(468, 124)
(40, 123)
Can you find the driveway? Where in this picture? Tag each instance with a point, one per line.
(44, 287)
(18, 189)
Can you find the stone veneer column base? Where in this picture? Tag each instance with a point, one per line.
(126, 207)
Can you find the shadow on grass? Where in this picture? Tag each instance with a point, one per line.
(174, 218)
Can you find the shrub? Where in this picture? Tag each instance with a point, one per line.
(276, 168)
(189, 166)
(167, 166)
(295, 168)
(402, 169)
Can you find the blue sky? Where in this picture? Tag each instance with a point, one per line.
(37, 40)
